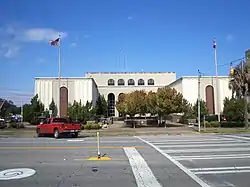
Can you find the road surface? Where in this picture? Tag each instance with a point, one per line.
(152, 161)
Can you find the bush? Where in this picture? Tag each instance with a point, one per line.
(224, 124)
(211, 118)
(93, 126)
(215, 124)
(16, 125)
(212, 124)
(228, 124)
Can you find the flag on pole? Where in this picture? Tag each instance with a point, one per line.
(214, 44)
(55, 42)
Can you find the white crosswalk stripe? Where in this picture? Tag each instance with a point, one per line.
(226, 154)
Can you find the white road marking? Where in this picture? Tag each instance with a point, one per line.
(17, 173)
(238, 137)
(177, 163)
(143, 175)
(220, 168)
(191, 140)
(212, 157)
(76, 140)
(221, 172)
(206, 150)
(200, 142)
(206, 145)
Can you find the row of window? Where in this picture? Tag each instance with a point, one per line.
(121, 82)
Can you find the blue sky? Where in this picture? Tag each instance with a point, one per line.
(151, 35)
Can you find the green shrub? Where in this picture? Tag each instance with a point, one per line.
(211, 118)
(215, 124)
(16, 125)
(93, 126)
(228, 124)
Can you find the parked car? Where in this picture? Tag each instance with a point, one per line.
(58, 127)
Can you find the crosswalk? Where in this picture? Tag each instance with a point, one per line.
(210, 160)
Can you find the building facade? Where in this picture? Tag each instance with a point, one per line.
(112, 84)
(71, 89)
(188, 86)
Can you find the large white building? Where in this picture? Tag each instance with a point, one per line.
(112, 84)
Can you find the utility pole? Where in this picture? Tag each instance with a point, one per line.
(217, 80)
(199, 101)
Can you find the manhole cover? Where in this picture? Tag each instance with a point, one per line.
(17, 173)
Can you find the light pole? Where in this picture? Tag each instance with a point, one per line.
(217, 80)
(199, 101)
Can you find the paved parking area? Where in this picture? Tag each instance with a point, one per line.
(210, 160)
(152, 161)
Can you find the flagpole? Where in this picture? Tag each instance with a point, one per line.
(217, 80)
(59, 74)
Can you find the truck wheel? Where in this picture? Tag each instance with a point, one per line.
(38, 133)
(75, 135)
(56, 133)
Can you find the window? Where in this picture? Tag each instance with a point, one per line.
(151, 82)
(121, 82)
(131, 82)
(111, 82)
(140, 82)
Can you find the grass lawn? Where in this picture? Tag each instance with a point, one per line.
(225, 130)
(107, 132)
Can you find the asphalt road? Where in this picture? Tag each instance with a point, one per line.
(153, 161)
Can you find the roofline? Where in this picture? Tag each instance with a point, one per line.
(128, 72)
(63, 78)
(181, 78)
(204, 76)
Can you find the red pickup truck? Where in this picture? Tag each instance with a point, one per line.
(57, 127)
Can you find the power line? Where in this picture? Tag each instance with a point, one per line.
(222, 65)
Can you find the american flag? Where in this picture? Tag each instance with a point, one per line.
(55, 42)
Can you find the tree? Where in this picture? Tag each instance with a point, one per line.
(238, 80)
(240, 83)
(101, 107)
(203, 109)
(33, 110)
(168, 101)
(8, 108)
(135, 103)
(234, 109)
(131, 106)
(79, 112)
(121, 104)
(187, 109)
(151, 103)
(53, 107)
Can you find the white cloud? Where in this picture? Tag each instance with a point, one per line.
(42, 34)
(13, 36)
(229, 37)
(10, 50)
(73, 44)
(130, 17)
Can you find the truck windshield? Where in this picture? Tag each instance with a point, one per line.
(60, 120)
